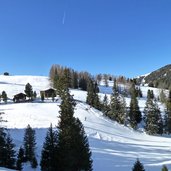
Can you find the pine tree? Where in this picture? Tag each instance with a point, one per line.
(160, 120)
(83, 84)
(105, 105)
(138, 166)
(48, 157)
(150, 94)
(4, 96)
(90, 93)
(162, 96)
(152, 117)
(10, 153)
(63, 83)
(92, 96)
(133, 90)
(72, 142)
(20, 159)
(74, 80)
(169, 97)
(117, 106)
(2, 142)
(167, 118)
(7, 152)
(135, 116)
(82, 150)
(29, 143)
(34, 162)
(2, 147)
(29, 91)
(164, 168)
(65, 149)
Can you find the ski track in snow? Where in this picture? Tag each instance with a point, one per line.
(114, 146)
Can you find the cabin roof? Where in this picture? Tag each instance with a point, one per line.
(20, 94)
(50, 89)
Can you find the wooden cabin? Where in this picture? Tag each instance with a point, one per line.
(21, 97)
(49, 93)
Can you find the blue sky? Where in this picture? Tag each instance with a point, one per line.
(120, 37)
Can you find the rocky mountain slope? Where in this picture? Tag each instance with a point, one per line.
(160, 78)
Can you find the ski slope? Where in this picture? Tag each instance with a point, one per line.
(114, 146)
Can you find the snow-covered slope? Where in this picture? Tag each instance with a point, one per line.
(16, 84)
(114, 147)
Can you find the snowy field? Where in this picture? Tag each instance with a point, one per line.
(114, 147)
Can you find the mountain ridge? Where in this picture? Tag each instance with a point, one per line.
(160, 78)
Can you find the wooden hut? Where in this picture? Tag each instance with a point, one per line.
(21, 97)
(49, 93)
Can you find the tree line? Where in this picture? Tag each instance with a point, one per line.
(80, 79)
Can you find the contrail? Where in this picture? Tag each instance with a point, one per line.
(63, 20)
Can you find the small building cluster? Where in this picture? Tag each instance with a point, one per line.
(21, 97)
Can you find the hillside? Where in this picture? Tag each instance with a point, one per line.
(114, 147)
(161, 78)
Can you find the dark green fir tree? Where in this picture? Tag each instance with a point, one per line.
(2, 142)
(29, 143)
(135, 116)
(10, 152)
(7, 151)
(72, 141)
(164, 168)
(167, 117)
(29, 91)
(92, 95)
(138, 166)
(20, 159)
(48, 155)
(117, 106)
(4, 96)
(152, 117)
(105, 105)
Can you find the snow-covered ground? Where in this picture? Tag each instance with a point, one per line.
(114, 147)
